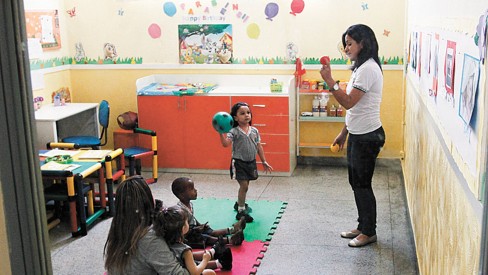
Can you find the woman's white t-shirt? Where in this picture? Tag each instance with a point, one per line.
(364, 117)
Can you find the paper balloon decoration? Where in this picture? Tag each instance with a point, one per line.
(169, 8)
(271, 10)
(297, 6)
(154, 31)
(253, 31)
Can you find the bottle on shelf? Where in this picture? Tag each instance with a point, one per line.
(332, 111)
(315, 106)
(339, 111)
(323, 104)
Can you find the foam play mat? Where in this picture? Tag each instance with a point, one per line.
(220, 213)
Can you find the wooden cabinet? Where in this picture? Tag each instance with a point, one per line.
(316, 132)
(186, 138)
(270, 114)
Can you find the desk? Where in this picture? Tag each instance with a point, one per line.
(72, 119)
(74, 180)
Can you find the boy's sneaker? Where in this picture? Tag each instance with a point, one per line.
(226, 259)
(237, 238)
(219, 248)
(239, 225)
(244, 214)
(248, 209)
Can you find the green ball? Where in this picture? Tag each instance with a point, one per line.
(222, 122)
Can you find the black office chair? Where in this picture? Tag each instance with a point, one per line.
(94, 142)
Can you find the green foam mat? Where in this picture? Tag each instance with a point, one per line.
(220, 213)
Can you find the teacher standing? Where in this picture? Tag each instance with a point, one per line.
(361, 99)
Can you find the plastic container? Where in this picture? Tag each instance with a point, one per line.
(313, 84)
(57, 100)
(315, 106)
(323, 104)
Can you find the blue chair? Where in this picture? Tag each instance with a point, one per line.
(94, 142)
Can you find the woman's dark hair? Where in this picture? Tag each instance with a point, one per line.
(235, 108)
(169, 223)
(134, 206)
(363, 35)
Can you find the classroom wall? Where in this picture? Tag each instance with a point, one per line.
(443, 185)
(126, 25)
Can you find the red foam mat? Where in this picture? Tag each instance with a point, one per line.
(245, 258)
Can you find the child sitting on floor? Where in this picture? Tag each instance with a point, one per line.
(172, 224)
(201, 235)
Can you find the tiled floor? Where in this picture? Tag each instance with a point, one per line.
(307, 241)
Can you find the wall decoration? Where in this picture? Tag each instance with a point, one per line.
(271, 10)
(386, 32)
(109, 51)
(297, 6)
(71, 12)
(44, 27)
(169, 8)
(205, 44)
(480, 36)
(291, 52)
(435, 65)
(121, 12)
(469, 87)
(364, 6)
(253, 31)
(449, 68)
(154, 31)
(80, 52)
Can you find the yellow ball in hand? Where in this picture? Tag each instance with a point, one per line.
(335, 148)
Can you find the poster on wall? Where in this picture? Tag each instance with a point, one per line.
(435, 65)
(469, 87)
(449, 66)
(43, 26)
(205, 44)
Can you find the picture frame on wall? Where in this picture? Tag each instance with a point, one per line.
(449, 65)
(469, 87)
(205, 44)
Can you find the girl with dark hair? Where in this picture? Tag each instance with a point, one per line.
(172, 225)
(132, 247)
(246, 143)
(362, 99)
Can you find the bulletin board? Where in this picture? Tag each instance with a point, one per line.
(446, 66)
(43, 25)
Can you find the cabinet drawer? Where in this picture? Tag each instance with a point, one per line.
(264, 105)
(272, 124)
(279, 161)
(275, 143)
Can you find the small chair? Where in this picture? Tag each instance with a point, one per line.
(135, 153)
(94, 142)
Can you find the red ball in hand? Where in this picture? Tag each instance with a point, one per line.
(323, 60)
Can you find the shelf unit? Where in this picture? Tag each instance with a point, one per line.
(308, 124)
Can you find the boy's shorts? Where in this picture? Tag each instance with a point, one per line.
(243, 170)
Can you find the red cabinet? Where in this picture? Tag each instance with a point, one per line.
(270, 114)
(187, 140)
